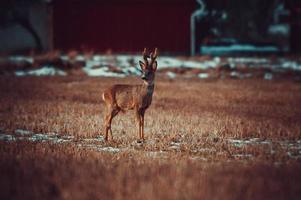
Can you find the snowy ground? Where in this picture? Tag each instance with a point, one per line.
(291, 147)
(125, 65)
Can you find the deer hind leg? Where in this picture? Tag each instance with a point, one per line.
(111, 113)
(107, 124)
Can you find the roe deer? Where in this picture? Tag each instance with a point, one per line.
(132, 97)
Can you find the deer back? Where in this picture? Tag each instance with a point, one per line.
(127, 97)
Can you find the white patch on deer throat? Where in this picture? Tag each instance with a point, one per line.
(145, 83)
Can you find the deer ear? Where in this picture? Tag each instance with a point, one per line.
(142, 65)
(154, 66)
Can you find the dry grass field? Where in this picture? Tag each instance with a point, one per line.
(205, 139)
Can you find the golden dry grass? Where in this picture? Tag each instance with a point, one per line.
(192, 108)
(199, 116)
(44, 171)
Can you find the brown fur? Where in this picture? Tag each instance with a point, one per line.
(131, 97)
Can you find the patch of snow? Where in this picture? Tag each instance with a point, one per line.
(101, 71)
(171, 75)
(97, 139)
(99, 148)
(236, 142)
(60, 140)
(109, 149)
(8, 138)
(52, 134)
(80, 58)
(67, 137)
(294, 155)
(289, 64)
(268, 76)
(204, 150)
(44, 71)
(235, 74)
(246, 60)
(243, 155)
(38, 137)
(203, 75)
(292, 147)
(198, 158)
(25, 135)
(20, 73)
(18, 59)
(53, 137)
(240, 75)
(252, 141)
(290, 144)
(64, 58)
(23, 132)
(174, 147)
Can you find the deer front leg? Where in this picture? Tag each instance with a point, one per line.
(138, 122)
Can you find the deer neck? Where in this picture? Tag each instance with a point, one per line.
(148, 87)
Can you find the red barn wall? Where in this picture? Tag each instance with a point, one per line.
(123, 26)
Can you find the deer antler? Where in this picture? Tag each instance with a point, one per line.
(145, 56)
(153, 56)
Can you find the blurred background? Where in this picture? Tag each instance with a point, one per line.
(186, 27)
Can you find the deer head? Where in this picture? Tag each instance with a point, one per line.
(148, 69)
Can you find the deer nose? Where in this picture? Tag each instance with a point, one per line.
(143, 77)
